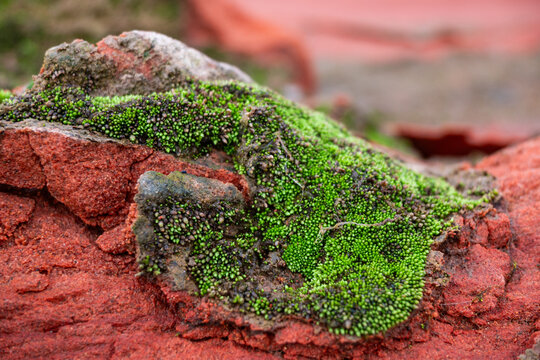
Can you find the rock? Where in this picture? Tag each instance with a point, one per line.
(156, 190)
(32, 282)
(69, 246)
(478, 282)
(19, 165)
(117, 240)
(491, 229)
(270, 139)
(135, 62)
(395, 31)
(534, 352)
(457, 139)
(517, 169)
(14, 211)
(68, 284)
(102, 173)
(231, 28)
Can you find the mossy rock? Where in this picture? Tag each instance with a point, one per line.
(334, 230)
(4, 95)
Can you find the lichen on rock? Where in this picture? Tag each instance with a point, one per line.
(332, 230)
(134, 62)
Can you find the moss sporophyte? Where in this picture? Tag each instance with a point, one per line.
(347, 227)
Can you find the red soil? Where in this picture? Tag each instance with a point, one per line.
(68, 287)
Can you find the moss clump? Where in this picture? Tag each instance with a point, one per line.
(4, 95)
(349, 227)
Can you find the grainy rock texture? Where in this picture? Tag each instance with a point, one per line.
(68, 271)
(135, 62)
(68, 284)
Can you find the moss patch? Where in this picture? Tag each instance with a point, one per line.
(349, 226)
(4, 95)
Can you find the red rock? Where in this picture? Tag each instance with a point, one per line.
(490, 230)
(97, 180)
(390, 30)
(32, 282)
(457, 140)
(19, 165)
(478, 282)
(517, 170)
(237, 31)
(134, 62)
(92, 179)
(116, 241)
(165, 164)
(518, 177)
(498, 225)
(14, 210)
(295, 333)
(62, 296)
(141, 345)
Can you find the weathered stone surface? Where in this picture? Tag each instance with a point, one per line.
(116, 240)
(64, 298)
(19, 165)
(67, 270)
(94, 176)
(14, 211)
(477, 283)
(52, 267)
(517, 169)
(155, 189)
(135, 62)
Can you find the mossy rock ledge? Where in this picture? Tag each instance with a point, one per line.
(332, 230)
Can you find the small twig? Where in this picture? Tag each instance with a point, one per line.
(340, 224)
(323, 229)
(297, 183)
(280, 141)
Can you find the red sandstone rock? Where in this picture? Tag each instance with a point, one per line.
(69, 290)
(19, 165)
(390, 30)
(14, 210)
(477, 283)
(31, 282)
(490, 230)
(95, 178)
(518, 177)
(91, 179)
(116, 241)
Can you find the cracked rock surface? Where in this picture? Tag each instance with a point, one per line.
(68, 284)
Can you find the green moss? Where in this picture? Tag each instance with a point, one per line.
(4, 95)
(355, 224)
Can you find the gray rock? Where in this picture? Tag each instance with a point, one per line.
(156, 189)
(135, 62)
(70, 131)
(532, 353)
